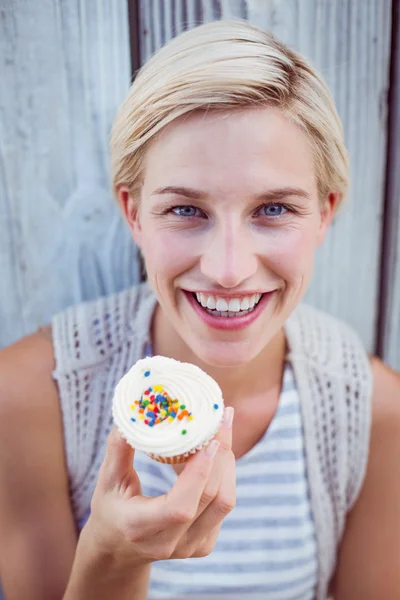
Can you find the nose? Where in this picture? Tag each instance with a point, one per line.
(229, 258)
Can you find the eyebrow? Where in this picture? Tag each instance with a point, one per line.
(273, 194)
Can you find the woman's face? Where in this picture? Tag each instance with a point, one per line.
(228, 223)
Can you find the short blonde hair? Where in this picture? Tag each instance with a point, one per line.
(227, 65)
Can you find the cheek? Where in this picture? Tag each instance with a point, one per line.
(291, 253)
(166, 252)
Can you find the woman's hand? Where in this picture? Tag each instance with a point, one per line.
(137, 530)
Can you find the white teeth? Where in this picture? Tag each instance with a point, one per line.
(211, 302)
(229, 314)
(245, 304)
(203, 300)
(215, 313)
(224, 306)
(234, 305)
(221, 305)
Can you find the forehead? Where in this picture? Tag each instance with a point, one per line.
(255, 147)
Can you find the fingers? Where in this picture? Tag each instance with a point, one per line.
(199, 482)
(183, 498)
(225, 500)
(118, 461)
(224, 436)
(172, 514)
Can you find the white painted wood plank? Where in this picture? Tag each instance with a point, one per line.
(146, 46)
(391, 296)
(180, 20)
(169, 25)
(158, 20)
(64, 68)
(209, 11)
(192, 19)
(349, 41)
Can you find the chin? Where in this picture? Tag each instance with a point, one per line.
(223, 354)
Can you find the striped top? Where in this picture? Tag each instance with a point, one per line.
(266, 549)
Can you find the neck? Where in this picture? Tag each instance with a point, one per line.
(236, 383)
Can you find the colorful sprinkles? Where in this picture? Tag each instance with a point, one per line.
(156, 406)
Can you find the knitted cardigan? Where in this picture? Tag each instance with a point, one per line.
(95, 343)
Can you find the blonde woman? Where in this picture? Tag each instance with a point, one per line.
(228, 164)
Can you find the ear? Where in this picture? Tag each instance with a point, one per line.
(328, 211)
(130, 210)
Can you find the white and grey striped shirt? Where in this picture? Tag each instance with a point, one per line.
(266, 549)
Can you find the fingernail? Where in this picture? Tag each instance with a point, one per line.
(212, 448)
(114, 436)
(228, 416)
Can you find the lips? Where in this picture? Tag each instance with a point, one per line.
(225, 321)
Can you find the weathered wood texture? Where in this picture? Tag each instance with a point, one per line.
(390, 323)
(64, 69)
(349, 41)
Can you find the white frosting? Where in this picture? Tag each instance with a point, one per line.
(190, 385)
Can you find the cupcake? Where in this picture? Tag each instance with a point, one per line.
(167, 409)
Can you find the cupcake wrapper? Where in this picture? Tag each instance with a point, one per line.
(181, 458)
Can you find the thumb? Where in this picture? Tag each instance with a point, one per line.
(118, 461)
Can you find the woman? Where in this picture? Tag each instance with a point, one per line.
(228, 164)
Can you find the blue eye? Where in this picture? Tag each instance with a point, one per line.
(187, 211)
(274, 210)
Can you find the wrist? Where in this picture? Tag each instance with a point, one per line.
(95, 549)
(102, 571)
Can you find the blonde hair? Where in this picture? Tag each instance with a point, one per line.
(227, 65)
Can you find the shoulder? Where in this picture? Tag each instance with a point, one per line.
(385, 421)
(26, 366)
(385, 428)
(36, 524)
(30, 417)
(369, 557)
(28, 392)
(386, 391)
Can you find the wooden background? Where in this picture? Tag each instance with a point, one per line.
(65, 66)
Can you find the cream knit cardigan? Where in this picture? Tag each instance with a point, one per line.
(95, 344)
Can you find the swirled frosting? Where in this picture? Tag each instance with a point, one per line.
(166, 407)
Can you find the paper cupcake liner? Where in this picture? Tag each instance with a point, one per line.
(182, 458)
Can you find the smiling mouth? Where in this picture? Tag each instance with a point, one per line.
(222, 307)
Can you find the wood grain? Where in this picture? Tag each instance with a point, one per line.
(64, 69)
